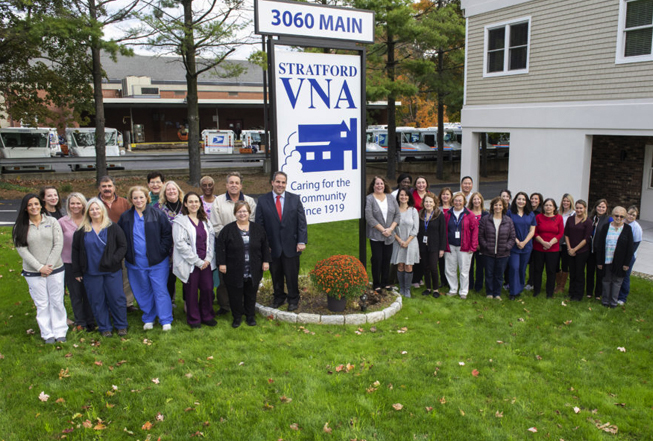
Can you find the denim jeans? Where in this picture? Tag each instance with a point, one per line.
(625, 286)
(494, 269)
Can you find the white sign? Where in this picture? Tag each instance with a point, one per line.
(317, 21)
(318, 113)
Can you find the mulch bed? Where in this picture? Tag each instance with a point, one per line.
(314, 302)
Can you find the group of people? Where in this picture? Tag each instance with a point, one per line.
(421, 235)
(110, 250)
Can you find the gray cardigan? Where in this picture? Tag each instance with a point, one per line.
(373, 217)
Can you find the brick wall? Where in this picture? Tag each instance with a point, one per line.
(617, 169)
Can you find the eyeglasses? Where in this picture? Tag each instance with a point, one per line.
(618, 216)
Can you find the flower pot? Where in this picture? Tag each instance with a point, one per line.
(336, 305)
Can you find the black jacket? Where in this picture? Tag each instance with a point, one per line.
(283, 235)
(437, 241)
(487, 234)
(623, 253)
(158, 234)
(111, 260)
(230, 251)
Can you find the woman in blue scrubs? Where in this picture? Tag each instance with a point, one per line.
(524, 221)
(149, 240)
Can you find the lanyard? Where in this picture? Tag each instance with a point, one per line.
(457, 222)
(426, 222)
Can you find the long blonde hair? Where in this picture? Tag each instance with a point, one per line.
(86, 224)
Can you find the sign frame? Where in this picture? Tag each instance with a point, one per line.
(326, 44)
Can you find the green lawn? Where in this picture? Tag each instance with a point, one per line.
(530, 363)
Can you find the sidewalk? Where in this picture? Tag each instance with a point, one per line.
(644, 263)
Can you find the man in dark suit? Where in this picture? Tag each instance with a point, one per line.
(282, 215)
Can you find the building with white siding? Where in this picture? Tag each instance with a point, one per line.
(571, 81)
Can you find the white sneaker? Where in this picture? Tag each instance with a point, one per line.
(528, 287)
(489, 296)
(148, 326)
(463, 296)
(621, 303)
(167, 327)
(498, 298)
(452, 294)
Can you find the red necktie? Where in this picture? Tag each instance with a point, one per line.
(279, 206)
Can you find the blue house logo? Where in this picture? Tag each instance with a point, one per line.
(322, 146)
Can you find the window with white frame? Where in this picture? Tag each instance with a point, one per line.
(507, 48)
(635, 38)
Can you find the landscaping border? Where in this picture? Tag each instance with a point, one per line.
(343, 319)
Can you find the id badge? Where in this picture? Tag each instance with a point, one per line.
(425, 240)
(457, 235)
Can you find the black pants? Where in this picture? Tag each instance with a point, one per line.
(78, 299)
(563, 262)
(430, 259)
(577, 275)
(593, 274)
(445, 282)
(172, 285)
(284, 268)
(243, 299)
(381, 254)
(476, 271)
(550, 260)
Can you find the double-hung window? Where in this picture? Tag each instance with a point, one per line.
(507, 48)
(635, 38)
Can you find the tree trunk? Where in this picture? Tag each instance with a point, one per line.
(100, 141)
(392, 126)
(440, 172)
(194, 160)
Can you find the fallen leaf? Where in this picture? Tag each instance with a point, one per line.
(538, 357)
(43, 396)
(373, 329)
(533, 429)
(475, 373)
(159, 416)
(267, 406)
(607, 427)
(98, 362)
(620, 404)
(461, 412)
(339, 368)
(429, 408)
(30, 332)
(462, 363)
(376, 383)
(210, 357)
(285, 399)
(499, 342)
(498, 414)
(110, 406)
(129, 432)
(350, 367)
(189, 375)
(270, 380)
(576, 409)
(520, 319)
(294, 426)
(568, 322)
(99, 426)
(241, 363)
(326, 428)
(69, 430)
(77, 415)
(622, 349)
(155, 380)
(63, 373)
(404, 352)
(147, 426)
(442, 400)
(563, 304)
(60, 400)
(397, 406)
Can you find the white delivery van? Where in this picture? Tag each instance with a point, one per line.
(81, 142)
(29, 142)
(218, 141)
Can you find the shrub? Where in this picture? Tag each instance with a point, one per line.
(340, 277)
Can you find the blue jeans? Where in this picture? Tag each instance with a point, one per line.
(494, 269)
(625, 286)
(517, 264)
